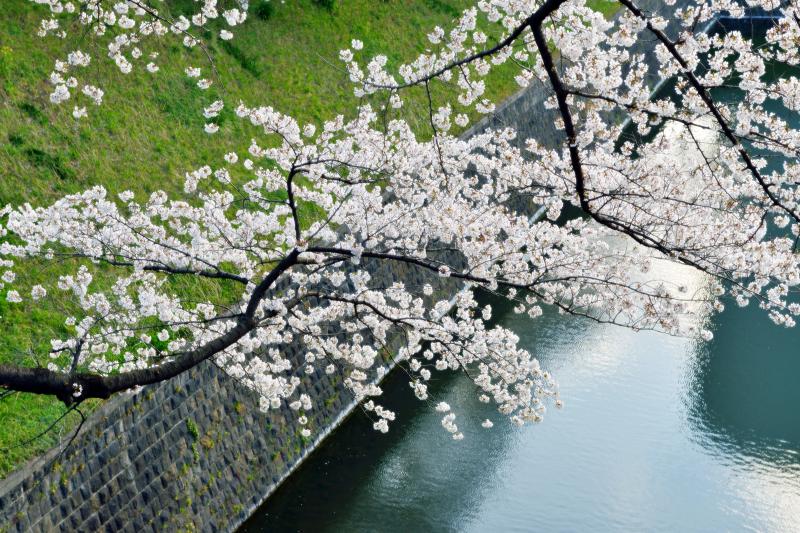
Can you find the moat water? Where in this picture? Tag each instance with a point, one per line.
(656, 434)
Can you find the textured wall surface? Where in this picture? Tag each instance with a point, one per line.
(193, 453)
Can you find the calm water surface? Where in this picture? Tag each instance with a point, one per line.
(657, 433)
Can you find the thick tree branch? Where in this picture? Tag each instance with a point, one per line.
(712, 107)
(78, 386)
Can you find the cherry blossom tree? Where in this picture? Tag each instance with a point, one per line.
(438, 203)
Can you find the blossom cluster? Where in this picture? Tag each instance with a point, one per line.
(127, 27)
(686, 179)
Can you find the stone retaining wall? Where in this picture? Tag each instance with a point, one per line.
(193, 453)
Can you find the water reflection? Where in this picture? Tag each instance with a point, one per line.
(657, 434)
(742, 407)
(743, 394)
(745, 388)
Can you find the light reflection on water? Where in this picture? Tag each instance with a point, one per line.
(742, 407)
(657, 433)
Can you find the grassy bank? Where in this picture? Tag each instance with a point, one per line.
(149, 130)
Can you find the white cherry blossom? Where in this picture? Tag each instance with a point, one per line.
(632, 180)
